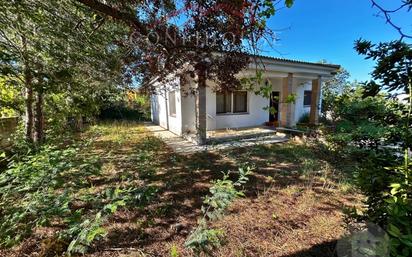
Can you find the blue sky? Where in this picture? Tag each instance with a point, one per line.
(326, 29)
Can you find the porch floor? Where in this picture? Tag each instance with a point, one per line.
(222, 135)
(180, 145)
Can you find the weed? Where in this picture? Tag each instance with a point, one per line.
(174, 252)
(222, 193)
(55, 185)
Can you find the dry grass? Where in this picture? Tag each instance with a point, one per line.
(293, 204)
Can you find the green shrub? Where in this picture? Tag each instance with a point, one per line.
(174, 251)
(305, 118)
(222, 193)
(46, 187)
(28, 189)
(364, 128)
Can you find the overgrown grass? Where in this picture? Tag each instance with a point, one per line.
(119, 188)
(71, 189)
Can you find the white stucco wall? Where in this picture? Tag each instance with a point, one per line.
(300, 109)
(160, 107)
(175, 122)
(188, 107)
(255, 116)
(155, 109)
(300, 86)
(184, 123)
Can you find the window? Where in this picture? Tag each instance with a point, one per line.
(172, 103)
(307, 97)
(223, 102)
(228, 102)
(240, 101)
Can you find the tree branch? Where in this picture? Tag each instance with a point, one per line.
(126, 17)
(388, 18)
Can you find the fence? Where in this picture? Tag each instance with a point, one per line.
(7, 127)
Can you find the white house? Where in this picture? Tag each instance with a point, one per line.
(174, 109)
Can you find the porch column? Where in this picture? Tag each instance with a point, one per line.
(315, 103)
(287, 109)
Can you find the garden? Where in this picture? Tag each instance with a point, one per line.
(117, 189)
(81, 175)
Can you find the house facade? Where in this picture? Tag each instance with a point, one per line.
(174, 109)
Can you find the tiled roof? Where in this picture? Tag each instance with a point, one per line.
(335, 66)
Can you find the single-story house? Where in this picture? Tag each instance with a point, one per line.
(174, 109)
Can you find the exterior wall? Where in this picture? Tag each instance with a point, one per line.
(300, 87)
(300, 108)
(256, 114)
(175, 122)
(277, 87)
(188, 109)
(184, 123)
(160, 107)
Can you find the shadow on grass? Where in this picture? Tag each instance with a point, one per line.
(325, 249)
(184, 180)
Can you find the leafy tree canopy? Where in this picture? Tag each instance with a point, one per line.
(393, 63)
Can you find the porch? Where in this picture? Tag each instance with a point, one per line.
(291, 91)
(220, 139)
(236, 134)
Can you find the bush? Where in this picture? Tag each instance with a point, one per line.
(305, 118)
(121, 113)
(28, 189)
(387, 185)
(367, 127)
(51, 187)
(365, 121)
(222, 194)
(133, 106)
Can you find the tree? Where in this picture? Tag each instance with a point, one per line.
(384, 177)
(405, 4)
(393, 63)
(331, 90)
(56, 51)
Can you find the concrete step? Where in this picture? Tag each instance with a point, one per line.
(223, 139)
(289, 131)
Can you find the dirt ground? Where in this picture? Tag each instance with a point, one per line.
(292, 206)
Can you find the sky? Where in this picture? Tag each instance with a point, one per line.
(326, 30)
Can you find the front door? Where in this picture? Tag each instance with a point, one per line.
(274, 106)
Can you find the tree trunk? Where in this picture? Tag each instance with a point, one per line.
(39, 136)
(201, 107)
(29, 113)
(29, 96)
(78, 123)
